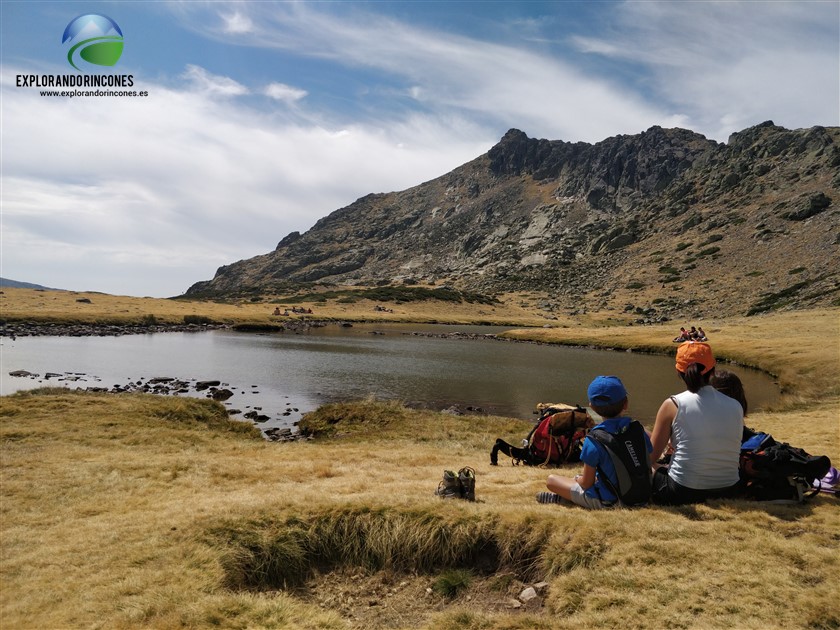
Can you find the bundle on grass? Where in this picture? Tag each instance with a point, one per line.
(556, 439)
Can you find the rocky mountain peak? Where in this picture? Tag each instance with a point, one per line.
(633, 217)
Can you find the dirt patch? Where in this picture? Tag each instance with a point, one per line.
(384, 599)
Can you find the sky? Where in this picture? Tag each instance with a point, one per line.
(262, 117)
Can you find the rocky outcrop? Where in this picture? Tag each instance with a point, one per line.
(586, 221)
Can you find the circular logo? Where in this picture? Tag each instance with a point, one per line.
(95, 39)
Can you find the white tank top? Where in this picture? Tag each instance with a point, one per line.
(706, 436)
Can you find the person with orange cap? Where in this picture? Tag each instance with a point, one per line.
(704, 427)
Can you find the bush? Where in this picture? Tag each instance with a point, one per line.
(682, 246)
(714, 238)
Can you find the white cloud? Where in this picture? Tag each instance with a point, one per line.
(213, 84)
(503, 85)
(145, 196)
(285, 93)
(237, 23)
(730, 65)
(714, 67)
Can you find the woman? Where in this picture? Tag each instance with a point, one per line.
(704, 427)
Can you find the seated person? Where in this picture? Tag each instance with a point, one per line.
(608, 399)
(728, 383)
(705, 428)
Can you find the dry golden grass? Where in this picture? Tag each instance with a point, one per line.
(62, 307)
(136, 511)
(143, 512)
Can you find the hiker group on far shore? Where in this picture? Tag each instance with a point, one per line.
(695, 334)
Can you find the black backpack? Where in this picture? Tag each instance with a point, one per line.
(628, 451)
(776, 471)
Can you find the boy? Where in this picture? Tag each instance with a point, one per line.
(607, 398)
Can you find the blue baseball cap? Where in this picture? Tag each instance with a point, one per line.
(606, 390)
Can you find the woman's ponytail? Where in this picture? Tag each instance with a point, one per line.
(694, 378)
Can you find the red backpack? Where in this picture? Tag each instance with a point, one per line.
(556, 439)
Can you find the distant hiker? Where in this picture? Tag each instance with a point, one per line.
(596, 487)
(277, 310)
(683, 336)
(692, 334)
(705, 429)
(701, 336)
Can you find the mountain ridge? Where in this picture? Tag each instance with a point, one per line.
(629, 223)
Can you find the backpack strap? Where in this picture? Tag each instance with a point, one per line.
(603, 477)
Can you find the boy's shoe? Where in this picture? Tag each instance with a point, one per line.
(549, 497)
(449, 487)
(467, 478)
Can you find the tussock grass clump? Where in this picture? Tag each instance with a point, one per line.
(263, 554)
(452, 582)
(351, 418)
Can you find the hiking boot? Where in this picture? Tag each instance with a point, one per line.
(449, 487)
(549, 497)
(467, 478)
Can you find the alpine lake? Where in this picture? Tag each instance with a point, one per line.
(280, 376)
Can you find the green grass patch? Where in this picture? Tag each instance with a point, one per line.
(708, 251)
(395, 294)
(682, 246)
(796, 270)
(635, 285)
(773, 301)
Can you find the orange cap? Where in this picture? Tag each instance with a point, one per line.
(695, 352)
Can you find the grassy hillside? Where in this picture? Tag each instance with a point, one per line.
(144, 512)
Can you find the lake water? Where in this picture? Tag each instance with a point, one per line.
(288, 373)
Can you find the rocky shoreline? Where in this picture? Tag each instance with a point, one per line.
(54, 329)
(80, 329)
(171, 386)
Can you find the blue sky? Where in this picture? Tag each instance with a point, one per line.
(264, 116)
